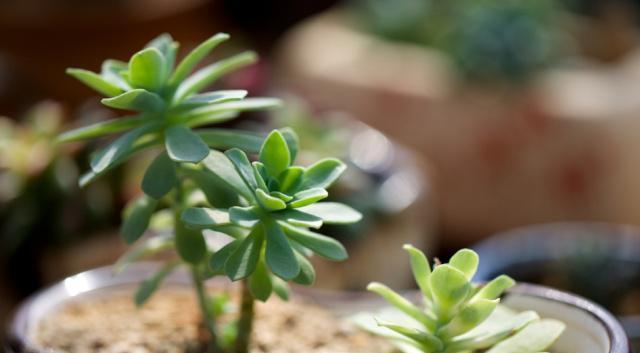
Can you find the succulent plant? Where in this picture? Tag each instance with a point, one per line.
(280, 204)
(459, 316)
(268, 206)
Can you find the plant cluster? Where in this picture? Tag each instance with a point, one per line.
(456, 314)
(266, 207)
(487, 39)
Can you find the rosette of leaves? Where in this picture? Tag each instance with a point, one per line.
(279, 206)
(458, 316)
(167, 104)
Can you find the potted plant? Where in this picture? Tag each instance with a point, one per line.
(265, 211)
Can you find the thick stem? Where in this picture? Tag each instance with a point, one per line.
(198, 279)
(245, 323)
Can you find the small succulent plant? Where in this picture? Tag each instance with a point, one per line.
(458, 316)
(267, 207)
(280, 204)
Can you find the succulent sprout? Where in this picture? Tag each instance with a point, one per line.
(279, 206)
(459, 316)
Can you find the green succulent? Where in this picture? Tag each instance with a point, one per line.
(279, 206)
(168, 104)
(459, 316)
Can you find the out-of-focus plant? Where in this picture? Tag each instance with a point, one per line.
(456, 315)
(267, 207)
(487, 39)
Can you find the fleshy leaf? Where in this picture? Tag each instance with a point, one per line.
(207, 75)
(150, 247)
(136, 218)
(320, 244)
(117, 149)
(449, 288)
(220, 165)
(307, 275)
(148, 70)
(427, 341)
(420, 268)
(299, 218)
(332, 212)
(291, 179)
(183, 145)
(223, 139)
(535, 337)
(274, 153)
(136, 99)
(260, 282)
(495, 288)
(402, 304)
(149, 286)
(199, 217)
(102, 128)
(244, 259)
(243, 167)
(160, 177)
(244, 216)
(469, 317)
(191, 60)
(466, 261)
(269, 202)
(280, 257)
(280, 287)
(292, 142)
(218, 259)
(323, 173)
(190, 244)
(307, 197)
(208, 98)
(96, 82)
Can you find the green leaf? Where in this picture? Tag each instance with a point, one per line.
(220, 165)
(199, 217)
(217, 192)
(207, 98)
(136, 218)
(420, 268)
(291, 179)
(292, 141)
(260, 283)
(223, 139)
(160, 177)
(148, 287)
(190, 244)
(274, 153)
(535, 337)
(217, 113)
(220, 257)
(112, 71)
(150, 247)
(495, 288)
(207, 75)
(95, 81)
(137, 99)
(243, 167)
(167, 47)
(183, 145)
(280, 287)
(102, 128)
(472, 315)
(323, 173)
(449, 288)
(148, 69)
(332, 212)
(191, 60)
(269, 202)
(116, 150)
(402, 304)
(466, 261)
(244, 216)
(320, 244)
(427, 341)
(307, 275)
(307, 197)
(280, 256)
(281, 196)
(244, 259)
(260, 173)
(298, 218)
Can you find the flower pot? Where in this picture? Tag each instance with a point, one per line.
(599, 261)
(590, 329)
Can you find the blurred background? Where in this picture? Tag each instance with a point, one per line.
(461, 120)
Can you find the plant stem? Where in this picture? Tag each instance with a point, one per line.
(245, 323)
(196, 274)
(205, 308)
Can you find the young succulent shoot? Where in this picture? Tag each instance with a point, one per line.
(280, 203)
(457, 315)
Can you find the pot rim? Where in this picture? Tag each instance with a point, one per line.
(103, 278)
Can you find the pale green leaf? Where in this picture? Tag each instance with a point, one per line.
(136, 99)
(280, 257)
(274, 153)
(332, 212)
(191, 60)
(183, 145)
(95, 81)
(323, 173)
(320, 244)
(307, 197)
(148, 70)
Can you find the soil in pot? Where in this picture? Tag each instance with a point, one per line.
(169, 322)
